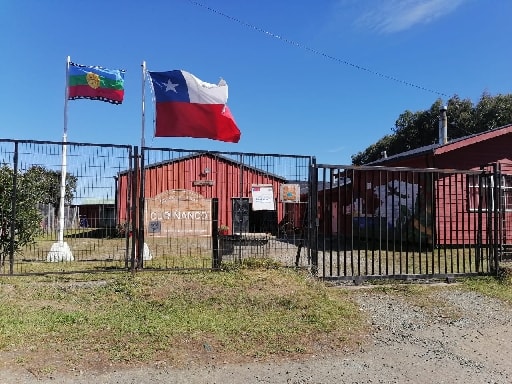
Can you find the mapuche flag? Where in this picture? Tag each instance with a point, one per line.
(189, 107)
(95, 83)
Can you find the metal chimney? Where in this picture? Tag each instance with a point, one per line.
(443, 125)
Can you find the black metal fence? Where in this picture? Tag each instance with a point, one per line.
(191, 209)
(378, 222)
(31, 183)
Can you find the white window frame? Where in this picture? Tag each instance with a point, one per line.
(473, 195)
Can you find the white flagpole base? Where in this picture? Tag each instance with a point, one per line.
(59, 252)
(147, 255)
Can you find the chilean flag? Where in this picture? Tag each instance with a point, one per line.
(189, 107)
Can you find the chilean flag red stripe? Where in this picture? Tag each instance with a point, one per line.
(189, 107)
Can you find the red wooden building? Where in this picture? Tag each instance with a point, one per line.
(405, 192)
(178, 195)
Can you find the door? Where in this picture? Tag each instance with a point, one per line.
(240, 207)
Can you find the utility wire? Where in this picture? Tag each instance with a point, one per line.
(315, 51)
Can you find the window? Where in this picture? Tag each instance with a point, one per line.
(485, 197)
(507, 193)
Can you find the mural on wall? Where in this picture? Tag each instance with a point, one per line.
(178, 212)
(397, 206)
(397, 200)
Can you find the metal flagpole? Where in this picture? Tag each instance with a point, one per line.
(60, 250)
(144, 250)
(143, 140)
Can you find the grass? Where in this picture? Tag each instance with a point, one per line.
(255, 311)
(490, 286)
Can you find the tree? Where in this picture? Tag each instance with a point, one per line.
(26, 220)
(49, 182)
(36, 185)
(417, 129)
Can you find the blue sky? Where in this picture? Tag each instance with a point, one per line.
(325, 78)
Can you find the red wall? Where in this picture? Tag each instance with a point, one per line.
(223, 180)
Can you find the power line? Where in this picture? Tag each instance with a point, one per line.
(315, 51)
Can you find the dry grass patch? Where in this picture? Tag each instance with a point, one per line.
(73, 322)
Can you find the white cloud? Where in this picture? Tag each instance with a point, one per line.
(391, 16)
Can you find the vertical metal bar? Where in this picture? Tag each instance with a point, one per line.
(386, 214)
(216, 261)
(434, 195)
(422, 222)
(339, 213)
(134, 229)
(128, 208)
(457, 227)
(464, 217)
(473, 223)
(141, 211)
(497, 189)
(346, 218)
(328, 220)
(445, 228)
(313, 218)
(479, 241)
(381, 229)
(309, 215)
(368, 222)
(13, 209)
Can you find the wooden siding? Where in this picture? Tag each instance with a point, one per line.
(474, 156)
(456, 223)
(209, 176)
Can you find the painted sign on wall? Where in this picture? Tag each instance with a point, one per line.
(178, 212)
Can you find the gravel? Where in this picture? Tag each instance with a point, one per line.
(458, 337)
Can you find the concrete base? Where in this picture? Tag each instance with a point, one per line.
(59, 252)
(146, 253)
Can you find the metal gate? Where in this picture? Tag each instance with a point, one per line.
(375, 222)
(199, 209)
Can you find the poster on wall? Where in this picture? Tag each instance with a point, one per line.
(290, 193)
(262, 198)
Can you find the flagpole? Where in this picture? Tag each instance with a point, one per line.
(64, 158)
(60, 250)
(143, 141)
(145, 251)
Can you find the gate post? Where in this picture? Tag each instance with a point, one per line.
(134, 200)
(313, 217)
(216, 260)
(140, 224)
(498, 211)
(12, 219)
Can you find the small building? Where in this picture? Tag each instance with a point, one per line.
(96, 213)
(178, 193)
